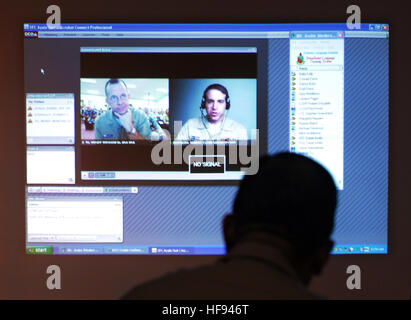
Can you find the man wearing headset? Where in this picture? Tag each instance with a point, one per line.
(214, 125)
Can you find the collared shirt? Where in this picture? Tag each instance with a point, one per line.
(109, 127)
(198, 129)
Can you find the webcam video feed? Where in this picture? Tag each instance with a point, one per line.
(149, 116)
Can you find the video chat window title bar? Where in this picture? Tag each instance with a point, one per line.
(170, 49)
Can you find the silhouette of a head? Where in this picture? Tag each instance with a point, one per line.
(292, 197)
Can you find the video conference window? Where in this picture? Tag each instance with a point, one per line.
(135, 98)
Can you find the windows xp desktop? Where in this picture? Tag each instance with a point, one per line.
(137, 135)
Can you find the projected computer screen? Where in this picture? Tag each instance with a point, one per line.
(137, 135)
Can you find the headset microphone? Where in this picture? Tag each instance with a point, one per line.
(202, 112)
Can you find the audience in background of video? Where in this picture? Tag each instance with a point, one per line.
(88, 115)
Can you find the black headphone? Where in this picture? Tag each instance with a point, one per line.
(220, 88)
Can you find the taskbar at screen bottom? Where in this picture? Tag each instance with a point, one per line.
(175, 250)
(105, 249)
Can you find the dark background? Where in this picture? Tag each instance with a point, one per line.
(168, 65)
(95, 277)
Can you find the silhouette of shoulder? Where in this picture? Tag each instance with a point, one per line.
(251, 271)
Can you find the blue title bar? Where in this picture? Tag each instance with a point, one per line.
(299, 35)
(202, 27)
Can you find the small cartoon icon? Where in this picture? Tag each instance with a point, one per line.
(300, 59)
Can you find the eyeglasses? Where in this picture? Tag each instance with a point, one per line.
(115, 99)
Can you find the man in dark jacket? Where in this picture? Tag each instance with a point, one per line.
(277, 238)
